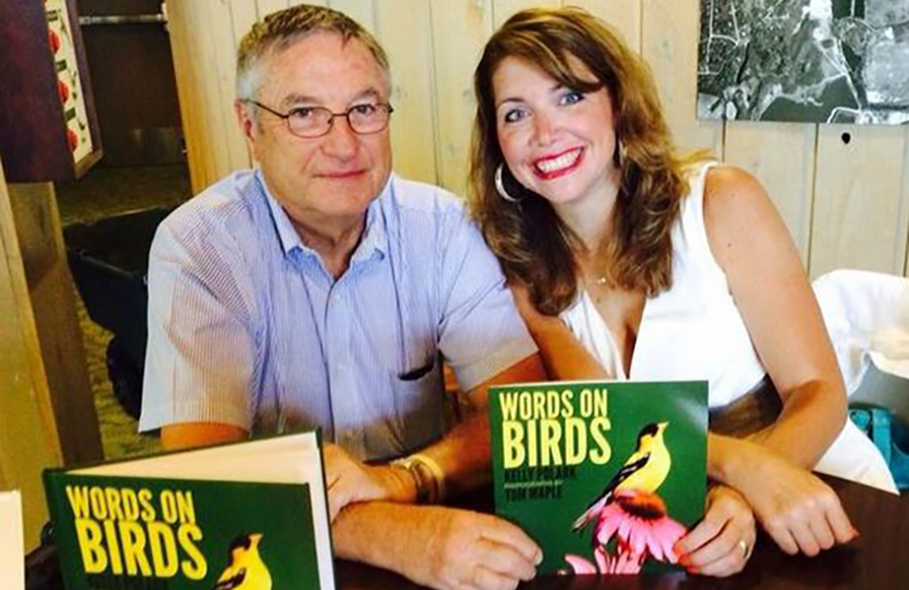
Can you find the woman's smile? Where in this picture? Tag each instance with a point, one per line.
(558, 165)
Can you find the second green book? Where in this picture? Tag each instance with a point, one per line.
(604, 476)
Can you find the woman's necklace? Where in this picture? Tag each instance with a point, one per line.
(598, 279)
(593, 273)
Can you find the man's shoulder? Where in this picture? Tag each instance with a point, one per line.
(223, 208)
(423, 199)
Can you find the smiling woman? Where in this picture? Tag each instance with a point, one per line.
(566, 168)
(550, 117)
(631, 261)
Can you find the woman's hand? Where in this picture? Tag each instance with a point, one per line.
(721, 544)
(798, 510)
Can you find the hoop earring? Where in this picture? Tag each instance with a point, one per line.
(500, 185)
(620, 154)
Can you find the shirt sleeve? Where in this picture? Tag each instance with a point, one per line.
(482, 333)
(201, 357)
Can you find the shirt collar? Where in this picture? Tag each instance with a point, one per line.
(375, 238)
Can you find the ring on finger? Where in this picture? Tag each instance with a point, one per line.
(746, 550)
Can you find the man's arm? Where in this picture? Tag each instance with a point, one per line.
(201, 336)
(199, 434)
(439, 547)
(435, 546)
(462, 456)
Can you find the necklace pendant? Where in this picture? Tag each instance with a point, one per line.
(601, 281)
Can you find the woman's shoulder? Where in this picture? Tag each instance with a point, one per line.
(737, 211)
(730, 193)
(724, 182)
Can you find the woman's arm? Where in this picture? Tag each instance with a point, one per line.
(752, 245)
(563, 356)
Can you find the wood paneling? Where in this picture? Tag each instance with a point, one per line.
(362, 11)
(243, 13)
(192, 90)
(781, 156)
(52, 296)
(408, 43)
(623, 15)
(223, 47)
(503, 9)
(459, 31)
(670, 45)
(28, 439)
(266, 7)
(859, 200)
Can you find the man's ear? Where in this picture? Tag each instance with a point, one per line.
(248, 125)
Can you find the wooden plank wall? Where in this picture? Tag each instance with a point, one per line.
(842, 190)
(28, 431)
(53, 303)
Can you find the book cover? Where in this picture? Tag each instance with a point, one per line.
(217, 518)
(604, 476)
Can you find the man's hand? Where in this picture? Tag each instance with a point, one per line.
(798, 510)
(351, 481)
(462, 550)
(721, 544)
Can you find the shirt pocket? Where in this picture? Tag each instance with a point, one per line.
(418, 408)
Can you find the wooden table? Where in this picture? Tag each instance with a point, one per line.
(878, 559)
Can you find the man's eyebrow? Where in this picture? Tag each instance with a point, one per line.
(292, 99)
(368, 93)
(295, 99)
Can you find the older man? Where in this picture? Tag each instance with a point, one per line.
(321, 290)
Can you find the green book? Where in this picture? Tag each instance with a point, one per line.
(245, 516)
(604, 476)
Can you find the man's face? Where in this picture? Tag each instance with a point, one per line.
(326, 179)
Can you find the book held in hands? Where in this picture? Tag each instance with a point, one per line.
(250, 515)
(605, 476)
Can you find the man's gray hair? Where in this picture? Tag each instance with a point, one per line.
(279, 30)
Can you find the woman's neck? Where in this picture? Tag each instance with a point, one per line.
(590, 219)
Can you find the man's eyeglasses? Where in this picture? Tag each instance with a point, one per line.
(310, 122)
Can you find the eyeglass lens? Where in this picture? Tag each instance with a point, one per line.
(316, 121)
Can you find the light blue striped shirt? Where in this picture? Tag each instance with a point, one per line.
(246, 327)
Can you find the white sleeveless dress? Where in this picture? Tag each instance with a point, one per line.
(695, 331)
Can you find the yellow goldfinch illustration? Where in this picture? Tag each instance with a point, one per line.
(246, 570)
(645, 470)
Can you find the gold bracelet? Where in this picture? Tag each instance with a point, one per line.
(427, 476)
(438, 476)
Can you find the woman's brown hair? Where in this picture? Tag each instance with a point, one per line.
(530, 240)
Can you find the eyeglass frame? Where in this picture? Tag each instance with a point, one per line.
(334, 115)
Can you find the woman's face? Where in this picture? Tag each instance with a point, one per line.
(557, 142)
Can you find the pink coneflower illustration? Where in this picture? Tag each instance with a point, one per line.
(642, 528)
(606, 563)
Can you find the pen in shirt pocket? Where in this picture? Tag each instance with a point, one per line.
(421, 371)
